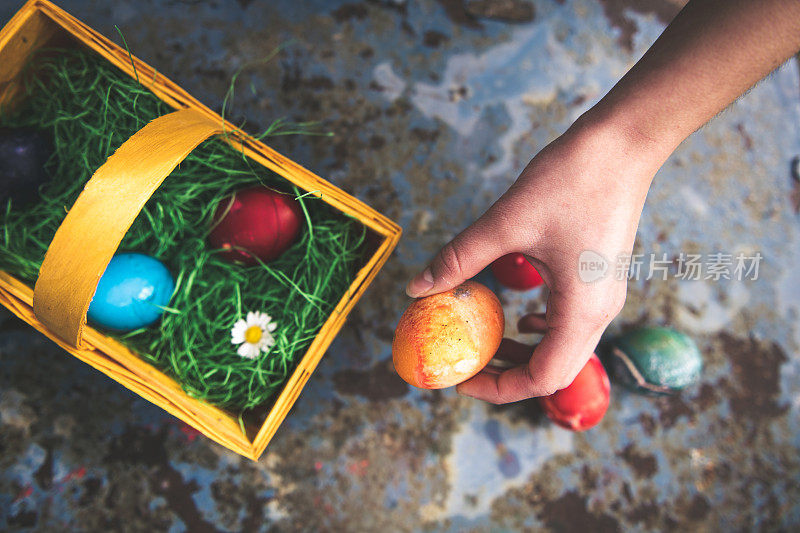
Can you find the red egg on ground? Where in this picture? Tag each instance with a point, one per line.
(255, 223)
(515, 272)
(584, 403)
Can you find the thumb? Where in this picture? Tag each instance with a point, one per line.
(465, 256)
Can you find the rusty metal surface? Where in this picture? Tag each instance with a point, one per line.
(436, 106)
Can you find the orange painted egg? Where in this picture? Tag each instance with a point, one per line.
(444, 339)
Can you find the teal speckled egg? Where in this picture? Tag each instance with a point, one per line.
(656, 360)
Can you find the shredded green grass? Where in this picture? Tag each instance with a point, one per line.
(90, 108)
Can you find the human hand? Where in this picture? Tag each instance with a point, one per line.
(585, 191)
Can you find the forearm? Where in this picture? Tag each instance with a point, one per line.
(712, 52)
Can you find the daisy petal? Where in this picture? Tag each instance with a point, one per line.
(263, 321)
(238, 331)
(266, 342)
(248, 351)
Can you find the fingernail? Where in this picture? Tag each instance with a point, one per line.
(421, 284)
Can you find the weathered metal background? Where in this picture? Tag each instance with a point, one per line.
(436, 107)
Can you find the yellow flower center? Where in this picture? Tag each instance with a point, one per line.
(253, 334)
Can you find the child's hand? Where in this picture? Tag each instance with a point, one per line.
(585, 191)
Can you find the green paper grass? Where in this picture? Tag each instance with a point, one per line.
(90, 109)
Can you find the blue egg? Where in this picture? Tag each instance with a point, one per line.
(130, 292)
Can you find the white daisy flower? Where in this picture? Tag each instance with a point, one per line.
(254, 335)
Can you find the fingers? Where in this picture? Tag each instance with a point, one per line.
(560, 356)
(509, 386)
(532, 323)
(553, 366)
(465, 256)
(573, 331)
(513, 352)
(486, 384)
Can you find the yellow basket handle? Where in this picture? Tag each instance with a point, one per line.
(112, 199)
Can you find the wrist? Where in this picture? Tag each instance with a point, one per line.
(624, 157)
(635, 132)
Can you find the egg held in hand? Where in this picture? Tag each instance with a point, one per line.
(255, 224)
(131, 293)
(444, 339)
(583, 404)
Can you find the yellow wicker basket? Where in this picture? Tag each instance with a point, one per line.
(73, 264)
